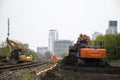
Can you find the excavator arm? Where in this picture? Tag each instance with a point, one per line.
(12, 45)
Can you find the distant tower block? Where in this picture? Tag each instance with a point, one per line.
(53, 36)
(112, 28)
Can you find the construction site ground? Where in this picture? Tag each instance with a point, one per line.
(82, 73)
(61, 72)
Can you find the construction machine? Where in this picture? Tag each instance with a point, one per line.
(15, 50)
(83, 53)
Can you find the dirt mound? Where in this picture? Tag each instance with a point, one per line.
(62, 72)
(81, 73)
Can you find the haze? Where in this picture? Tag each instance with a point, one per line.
(31, 20)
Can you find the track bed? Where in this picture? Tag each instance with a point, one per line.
(82, 73)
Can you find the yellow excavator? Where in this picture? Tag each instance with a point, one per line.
(16, 51)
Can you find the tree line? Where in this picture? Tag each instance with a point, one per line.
(111, 42)
(4, 50)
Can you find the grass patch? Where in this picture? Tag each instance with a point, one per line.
(111, 59)
(27, 76)
(115, 61)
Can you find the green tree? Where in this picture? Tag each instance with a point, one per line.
(65, 53)
(111, 44)
(4, 50)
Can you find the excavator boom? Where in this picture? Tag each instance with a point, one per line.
(12, 45)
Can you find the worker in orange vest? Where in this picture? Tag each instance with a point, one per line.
(54, 58)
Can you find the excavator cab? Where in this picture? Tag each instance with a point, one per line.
(15, 54)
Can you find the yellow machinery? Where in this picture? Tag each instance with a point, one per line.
(16, 51)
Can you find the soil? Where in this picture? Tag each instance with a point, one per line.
(82, 73)
(111, 72)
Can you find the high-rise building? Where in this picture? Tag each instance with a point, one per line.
(53, 36)
(95, 34)
(42, 50)
(61, 45)
(112, 27)
(26, 46)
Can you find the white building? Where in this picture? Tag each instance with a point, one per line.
(53, 36)
(95, 34)
(42, 50)
(26, 46)
(61, 45)
(112, 28)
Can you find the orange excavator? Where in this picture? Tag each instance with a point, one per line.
(83, 53)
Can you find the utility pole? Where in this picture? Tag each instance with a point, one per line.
(8, 28)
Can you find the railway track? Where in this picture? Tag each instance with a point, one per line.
(21, 66)
(16, 72)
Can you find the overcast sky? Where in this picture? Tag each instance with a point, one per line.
(31, 20)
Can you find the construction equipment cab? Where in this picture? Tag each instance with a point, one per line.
(16, 52)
